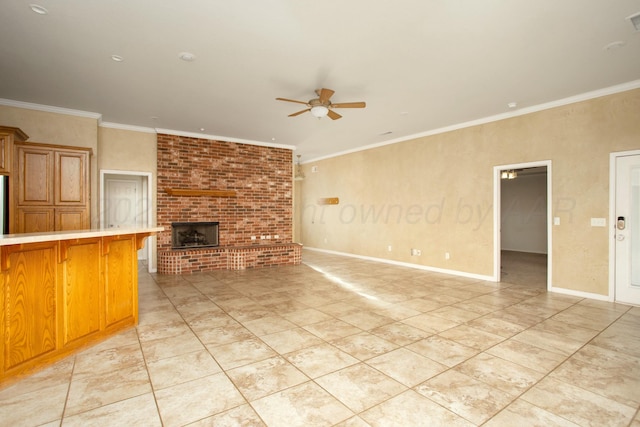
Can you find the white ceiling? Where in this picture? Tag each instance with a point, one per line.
(419, 64)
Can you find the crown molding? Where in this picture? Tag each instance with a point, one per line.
(133, 128)
(223, 138)
(50, 109)
(635, 84)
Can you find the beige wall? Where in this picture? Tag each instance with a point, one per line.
(61, 129)
(113, 149)
(436, 193)
(131, 151)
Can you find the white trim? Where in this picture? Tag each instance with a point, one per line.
(579, 294)
(223, 138)
(127, 127)
(497, 220)
(613, 157)
(152, 268)
(405, 264)
(50, 109)
(635, 84)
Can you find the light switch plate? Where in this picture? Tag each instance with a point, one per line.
(598, 222)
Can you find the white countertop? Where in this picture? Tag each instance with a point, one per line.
(15, 239)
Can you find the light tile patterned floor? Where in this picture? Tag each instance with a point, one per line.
(347, 342)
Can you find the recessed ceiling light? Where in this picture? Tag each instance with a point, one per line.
(186, 56)
(40, 10)
(512, 104)
(201, 129)
(117, 58)
(615, 45)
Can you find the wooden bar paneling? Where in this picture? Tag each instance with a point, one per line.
(121, 272)
(61, 295)
(83, 297)
(30, 306)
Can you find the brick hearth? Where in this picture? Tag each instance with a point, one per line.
(261, 179)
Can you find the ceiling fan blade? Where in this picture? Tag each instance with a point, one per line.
(292, 100)
(349, 105)
(333, 115)
(325, 94)
(299, 112)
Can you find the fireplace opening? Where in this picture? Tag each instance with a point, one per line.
(188, 235)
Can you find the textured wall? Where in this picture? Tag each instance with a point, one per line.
(62, 129)
(261, 177)
(435, 193)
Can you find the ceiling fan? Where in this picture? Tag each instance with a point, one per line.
(322, 106)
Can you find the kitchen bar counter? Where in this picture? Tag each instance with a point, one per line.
(14, 239)
(61, 291)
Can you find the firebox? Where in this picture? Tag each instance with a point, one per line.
(188, 235)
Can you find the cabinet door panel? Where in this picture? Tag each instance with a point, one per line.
(30, 304)
(35, 171)
(5, 146)
(34, 220)
(82, 288)
(71, 178)
(71, 219)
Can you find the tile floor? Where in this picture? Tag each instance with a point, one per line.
(347, 342)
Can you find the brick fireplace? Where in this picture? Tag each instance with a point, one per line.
(247, 189)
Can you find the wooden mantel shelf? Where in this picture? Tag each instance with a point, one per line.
(211, 193)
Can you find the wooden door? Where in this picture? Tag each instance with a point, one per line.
(66, 219)
(9, 135)
(71, 178)
(34, 219)
(35, 176)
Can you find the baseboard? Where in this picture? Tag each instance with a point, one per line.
(408, 264)
(580, 294)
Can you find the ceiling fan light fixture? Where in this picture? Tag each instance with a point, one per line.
(319, 111)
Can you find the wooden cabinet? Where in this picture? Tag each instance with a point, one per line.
(50, 187)
(9, 135)
(58, 296)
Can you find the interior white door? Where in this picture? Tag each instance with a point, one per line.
(627, 230)
(122, 203)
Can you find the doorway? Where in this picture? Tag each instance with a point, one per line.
(522, 223)
(125, 203)
(624, 247)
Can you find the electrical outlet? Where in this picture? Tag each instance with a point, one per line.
(416, 252)
(447, 255)
(389, 248)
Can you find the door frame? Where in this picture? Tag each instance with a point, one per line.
(148, 195)
(613, 159)
(497, 206)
